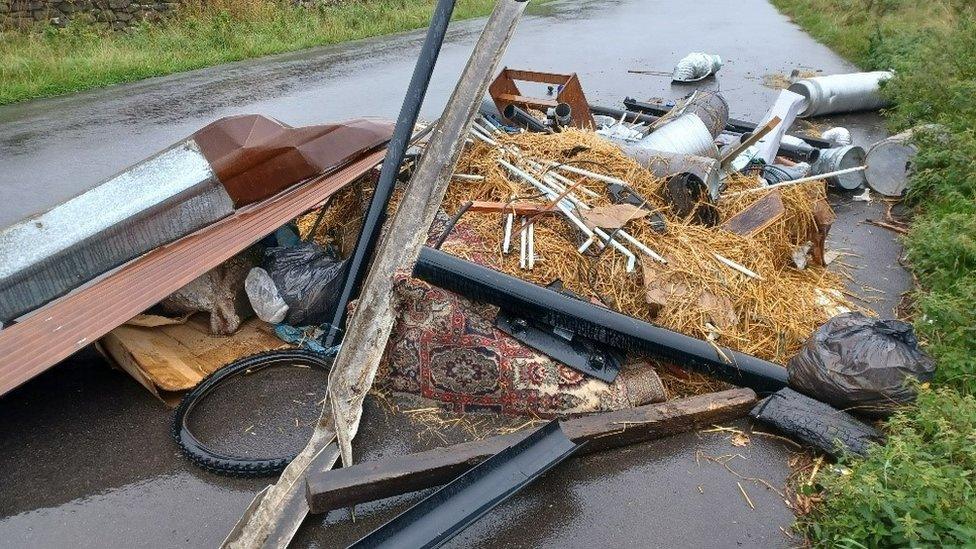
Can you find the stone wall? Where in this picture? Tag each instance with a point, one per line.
(117, 14)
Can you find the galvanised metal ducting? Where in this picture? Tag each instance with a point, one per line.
(840, 93)
(686, 134)
(149, 204)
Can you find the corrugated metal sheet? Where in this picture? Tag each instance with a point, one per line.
(61, 328)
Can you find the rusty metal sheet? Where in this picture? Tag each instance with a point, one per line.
(255, 157)
(57, 330)
(504, 91)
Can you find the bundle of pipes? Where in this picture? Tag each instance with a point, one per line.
(544, 176)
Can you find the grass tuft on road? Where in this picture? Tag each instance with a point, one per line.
(918, 490)
(45, 61)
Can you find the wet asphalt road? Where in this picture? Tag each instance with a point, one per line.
(85, 452)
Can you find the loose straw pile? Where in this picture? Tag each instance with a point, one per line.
(769, 318)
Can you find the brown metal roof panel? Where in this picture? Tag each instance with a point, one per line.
(249, 152)
(57, 330)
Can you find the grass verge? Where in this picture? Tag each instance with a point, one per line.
(918, 490)
(45, 61)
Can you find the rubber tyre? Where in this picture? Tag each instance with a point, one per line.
(226, 464)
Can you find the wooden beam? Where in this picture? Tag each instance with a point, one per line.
(335, 489)
(753, 138)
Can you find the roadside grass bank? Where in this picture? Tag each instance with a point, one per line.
(919, 488)
(45, 61)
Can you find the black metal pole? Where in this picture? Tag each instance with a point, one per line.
(524, 119)
(594, 322)
(628, 116)
(359, 261)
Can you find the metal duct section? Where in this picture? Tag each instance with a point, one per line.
(664, 164)
(890, 163)
(686, 134)
(154, 202)
(524, 119)
(711, 107)
(840, 93)
(798, 150)
(841, 158)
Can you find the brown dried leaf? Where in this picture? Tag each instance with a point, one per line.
(719, 309)
(613, 216)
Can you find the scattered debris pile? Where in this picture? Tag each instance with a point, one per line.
(560, 260)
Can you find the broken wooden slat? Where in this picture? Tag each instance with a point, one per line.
(750, 141)
(334, 489)
(518, 208)
(758, 216)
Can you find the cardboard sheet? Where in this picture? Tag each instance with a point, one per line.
(168, 355)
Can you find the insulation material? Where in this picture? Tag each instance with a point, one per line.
(219, 293)
(168, 355)
(696, 66)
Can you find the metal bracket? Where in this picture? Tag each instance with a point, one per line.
(448, 511)
(573, 350)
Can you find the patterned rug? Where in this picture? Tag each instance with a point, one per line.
(446, 348)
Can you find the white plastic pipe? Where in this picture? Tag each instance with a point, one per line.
(567, 211)
(801, 180)
(507, 242)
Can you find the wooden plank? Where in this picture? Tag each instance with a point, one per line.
(528, 101)
(334, 489)
(759, 215)
(518, 208)
(750, 141)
